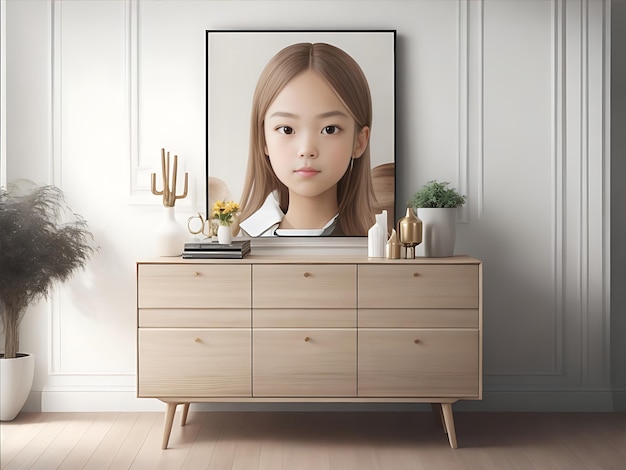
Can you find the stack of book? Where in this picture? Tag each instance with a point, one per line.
(208, 249)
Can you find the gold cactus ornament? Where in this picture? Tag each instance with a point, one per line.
(169, 193)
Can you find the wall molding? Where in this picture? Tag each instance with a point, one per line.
(558, 169)
(574, 271)
(3, 94)
(463, 99)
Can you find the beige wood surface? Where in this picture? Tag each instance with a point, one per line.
(285, 330)
(304, 286)
(304, 318)
(418, 286)
(194, 362)
(193, 286)
(265, 440)
(304, 362)
(418, 362)
(418, 318)
(318, 258)
(195, 318)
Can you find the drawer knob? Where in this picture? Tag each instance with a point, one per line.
(416, 341)
(307, 274)
(196, 273)
(197, 340)
(307, 339)
(416, 274)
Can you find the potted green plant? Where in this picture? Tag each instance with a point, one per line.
(436, 205)
(38, 246)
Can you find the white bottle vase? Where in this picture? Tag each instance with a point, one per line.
(375, 241)
(439, 229)
(224, 234)
(169, 235)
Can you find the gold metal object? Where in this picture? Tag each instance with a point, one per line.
(307, 274)
(393, 247)
(169, 194)
(307, 339)
(410, 232)
(197, 340)
(206, 227)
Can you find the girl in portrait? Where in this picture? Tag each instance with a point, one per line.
(309, 159)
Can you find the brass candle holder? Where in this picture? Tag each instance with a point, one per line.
(409, 233)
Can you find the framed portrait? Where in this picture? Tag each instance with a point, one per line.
(235, 61)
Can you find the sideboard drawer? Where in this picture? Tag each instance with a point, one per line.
(418, 363)
(304, 318)
(304, 362)
(194, 362)
(193, 286)
(418, 318)
(304, 285)
(194, 318)
(418, 286)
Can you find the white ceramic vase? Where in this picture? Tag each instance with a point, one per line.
(438, 231)
(375, 241)
(224, 234)
(16, 380)
(169, 235)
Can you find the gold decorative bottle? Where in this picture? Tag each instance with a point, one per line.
(409, 232)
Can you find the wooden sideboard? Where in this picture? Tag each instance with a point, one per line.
(310, 329)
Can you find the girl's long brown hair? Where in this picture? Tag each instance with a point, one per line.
(355, 193)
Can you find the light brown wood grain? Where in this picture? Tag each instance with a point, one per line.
(418, 362)
(304, 362)
(193, 286)
(304, 286)
(264, 440)
(194, 362)
(195, 318)
(418, 318)
(310, 329)
(304, 318)
(418, 286)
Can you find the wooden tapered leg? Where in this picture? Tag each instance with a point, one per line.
(169, 420)
(449, 422)
(183, 419)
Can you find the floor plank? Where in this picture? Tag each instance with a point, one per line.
(224, 452)
(113, 439)
(135, 439)
(88, 443)
(310, 440)
(202, 448)
(63, 443)
(17, 434)
(32, 451)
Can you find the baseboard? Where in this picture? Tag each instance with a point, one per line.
(541, 401)
(619, 400)
(125, 400)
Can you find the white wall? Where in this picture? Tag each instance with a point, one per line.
(507, 99)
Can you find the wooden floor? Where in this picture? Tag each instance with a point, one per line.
(317, 441)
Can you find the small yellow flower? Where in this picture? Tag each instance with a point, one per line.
(225, 211)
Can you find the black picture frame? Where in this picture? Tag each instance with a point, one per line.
(234, 61)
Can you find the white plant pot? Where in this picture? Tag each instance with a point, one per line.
(16, 379)
(438, 231)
